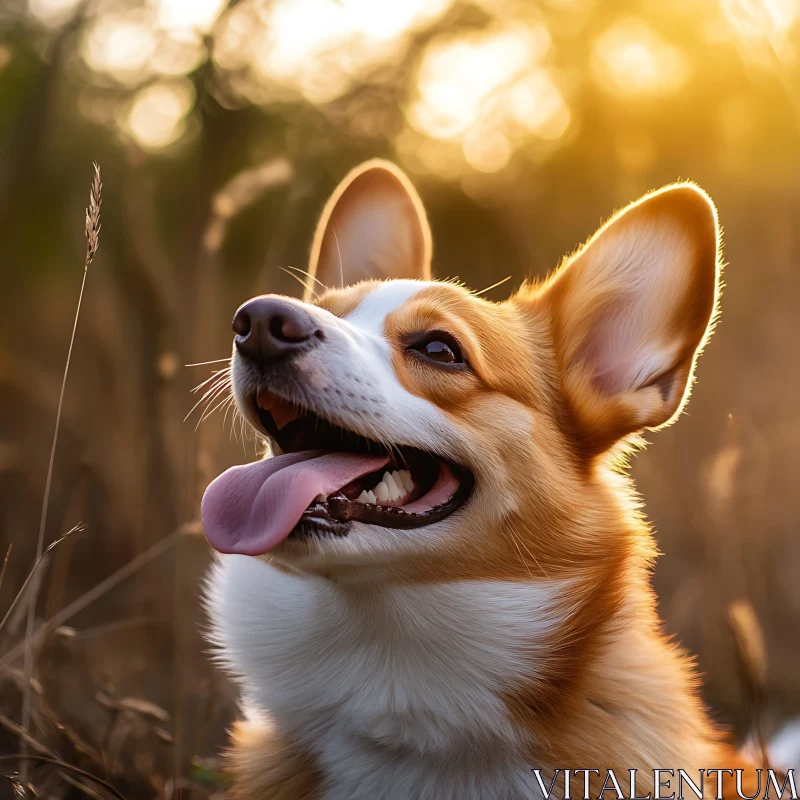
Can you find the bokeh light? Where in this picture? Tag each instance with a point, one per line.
(483, 79)
(318, 47)
(630, 58)
(761, 18)
(489, 91)
(462, 80)
(182, 15)
(157, 114)
(120, 46)
(52, 12)
(487, 151)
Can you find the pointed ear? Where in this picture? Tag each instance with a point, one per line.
(373, 226)
(632, 310)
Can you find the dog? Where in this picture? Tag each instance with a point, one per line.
(440, 585)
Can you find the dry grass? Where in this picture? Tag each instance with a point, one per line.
(92, 230)
(120, 745)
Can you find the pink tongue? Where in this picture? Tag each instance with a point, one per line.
(251, 509)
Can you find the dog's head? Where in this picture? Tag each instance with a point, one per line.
(424, 427)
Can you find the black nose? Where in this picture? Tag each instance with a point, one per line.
(269, 329)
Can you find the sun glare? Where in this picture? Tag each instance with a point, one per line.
(477, 94)
(317, 47)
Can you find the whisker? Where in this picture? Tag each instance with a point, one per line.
(215, 374)
(207, 413)
(231, 403)
(299, 280)
(493, 286)
(219, 394)
(238, 431)
(200, 402)
(208, 396)
(215, 391)
(241, 434)
(341, 263)
(220, 379)
(313, 277)
(203, 363)
(232, 430)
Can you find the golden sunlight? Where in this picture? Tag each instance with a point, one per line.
(489, 92)
(761, 18)
(317, 47)
(462, 80)
(632, 59)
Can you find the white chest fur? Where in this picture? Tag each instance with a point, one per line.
(385, 684)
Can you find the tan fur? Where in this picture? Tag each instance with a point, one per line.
(678, 226)
(264, 765)
(544, 433)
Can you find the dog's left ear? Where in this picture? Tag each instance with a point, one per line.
(631, 311)
(373, 226)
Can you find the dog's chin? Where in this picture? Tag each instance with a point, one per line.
(366, 550)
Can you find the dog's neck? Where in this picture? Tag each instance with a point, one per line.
(371, 675)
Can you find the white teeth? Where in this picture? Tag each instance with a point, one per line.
(399, 483)
(393, 486)
(408, 483)
(367, 497)
(394, 490)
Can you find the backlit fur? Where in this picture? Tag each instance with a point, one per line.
(520, 632)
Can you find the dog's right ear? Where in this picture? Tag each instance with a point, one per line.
(373, 227)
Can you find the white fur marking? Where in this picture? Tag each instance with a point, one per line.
(370, 314)
(383, 684)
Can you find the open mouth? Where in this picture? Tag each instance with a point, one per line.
(326, 478)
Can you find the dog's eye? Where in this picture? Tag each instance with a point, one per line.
(439, 347)
(439, 351)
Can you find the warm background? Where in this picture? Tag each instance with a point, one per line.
(220, 129)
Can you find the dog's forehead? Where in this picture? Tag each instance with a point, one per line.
(386, 298)
(366, 306)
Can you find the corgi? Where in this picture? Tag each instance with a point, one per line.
(439, 585)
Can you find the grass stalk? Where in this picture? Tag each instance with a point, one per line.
(92, 229)
(95, 593)
(75, 529)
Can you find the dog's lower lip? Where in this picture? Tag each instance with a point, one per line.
(338, 508)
